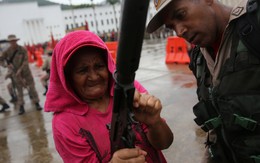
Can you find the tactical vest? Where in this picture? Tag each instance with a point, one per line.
(232, 108)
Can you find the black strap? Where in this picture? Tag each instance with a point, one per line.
(248, 28)
(86, 134)
(9, 61)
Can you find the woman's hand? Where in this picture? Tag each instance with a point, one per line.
(129, 155)
(147, 108)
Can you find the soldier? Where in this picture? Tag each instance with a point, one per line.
(11, 87)
(4, 105)
(46, 67)
(17, 60)
(226, 64)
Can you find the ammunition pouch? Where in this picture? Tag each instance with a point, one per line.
(240, 122)
(240, 118)
(206, 116)
(240, 113)
(246, 149)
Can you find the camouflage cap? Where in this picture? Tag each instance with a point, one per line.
(12, 38)
(156, 21)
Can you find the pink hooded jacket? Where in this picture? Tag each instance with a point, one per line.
(80, 133)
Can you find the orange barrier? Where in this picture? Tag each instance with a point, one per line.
(30, 57)
(112, 47)
(176, 50)
(39, 58)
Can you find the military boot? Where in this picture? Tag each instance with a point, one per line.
(21, 110)
(13, 99)
(46, 89)
(38, 107)
(5, 106)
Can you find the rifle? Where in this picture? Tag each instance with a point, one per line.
(131, 36)
(11, 73)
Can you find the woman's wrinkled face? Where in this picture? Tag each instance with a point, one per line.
(89, 75)
(194, 20)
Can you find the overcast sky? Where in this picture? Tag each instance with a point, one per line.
(76, 2)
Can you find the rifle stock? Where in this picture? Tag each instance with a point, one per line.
(131, 34)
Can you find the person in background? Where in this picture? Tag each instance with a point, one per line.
(4, 105)
(46, 67)
(81, 96)
(226, 64)
(17, 62)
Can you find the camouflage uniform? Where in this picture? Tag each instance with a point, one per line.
(21, 74)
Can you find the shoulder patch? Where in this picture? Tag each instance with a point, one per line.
(237, 11)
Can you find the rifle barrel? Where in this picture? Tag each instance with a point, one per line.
(131, 36)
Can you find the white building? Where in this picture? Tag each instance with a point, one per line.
(105, 17)
(31, 23)
(34, 24)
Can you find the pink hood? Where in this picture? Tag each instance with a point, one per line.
(60, 97)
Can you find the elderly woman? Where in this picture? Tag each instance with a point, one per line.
(81, 96)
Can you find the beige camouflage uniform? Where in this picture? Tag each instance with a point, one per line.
(21, 73)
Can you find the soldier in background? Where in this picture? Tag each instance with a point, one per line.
(17, 60)
(4, 44)
(46, 67)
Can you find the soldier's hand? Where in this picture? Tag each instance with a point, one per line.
(18, 73)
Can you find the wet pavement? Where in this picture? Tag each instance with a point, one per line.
(28, 138)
